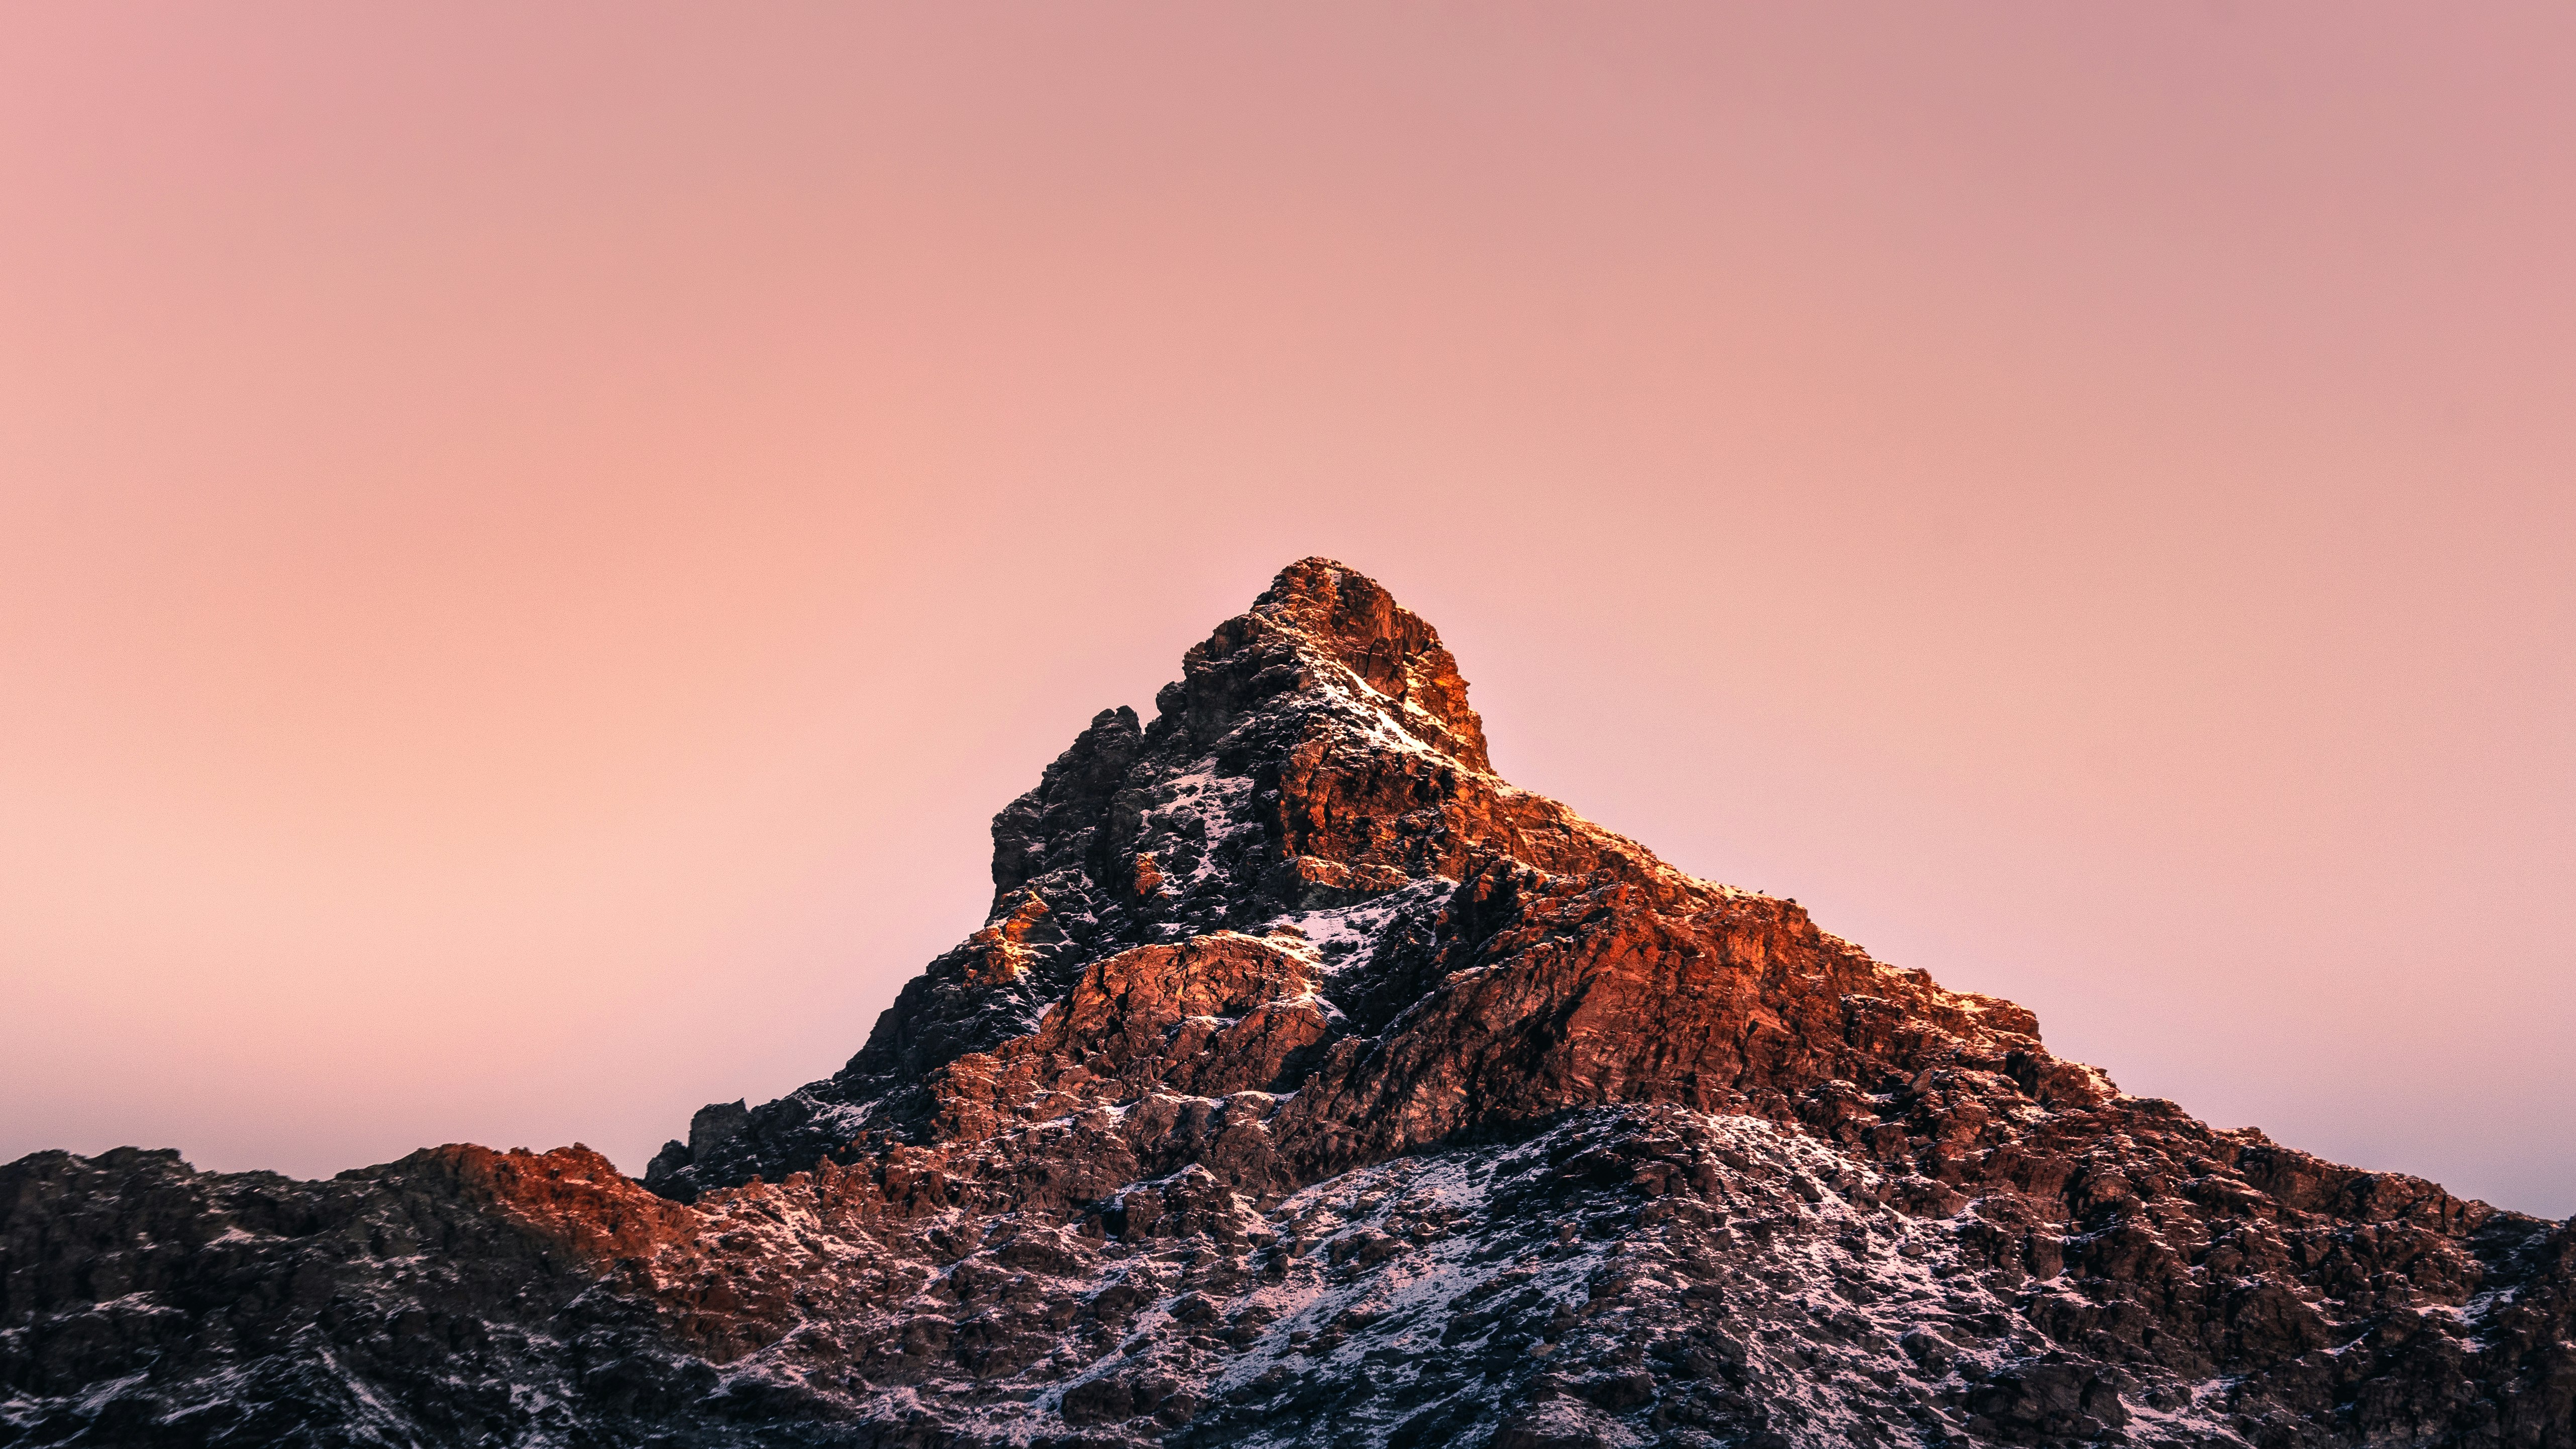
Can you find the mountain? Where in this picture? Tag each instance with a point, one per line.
(1310, 1085)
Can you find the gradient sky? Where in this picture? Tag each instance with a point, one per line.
(533, 540)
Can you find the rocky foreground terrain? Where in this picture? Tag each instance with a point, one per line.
(1309, 1085)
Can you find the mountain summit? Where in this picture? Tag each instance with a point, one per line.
(1308, 1084)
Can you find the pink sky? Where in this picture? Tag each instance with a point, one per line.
(532, 545)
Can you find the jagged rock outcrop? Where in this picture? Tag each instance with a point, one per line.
(1309, 1084)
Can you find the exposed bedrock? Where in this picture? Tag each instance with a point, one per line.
(1308, 1084)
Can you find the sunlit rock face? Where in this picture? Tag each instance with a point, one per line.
(1308, 1084)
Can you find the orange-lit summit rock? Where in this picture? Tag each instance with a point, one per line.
(1309, 1084)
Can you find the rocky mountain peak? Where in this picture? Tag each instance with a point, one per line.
(1317, 785)
(1308, 1085)
(1324, 626)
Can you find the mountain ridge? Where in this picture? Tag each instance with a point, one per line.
(1308, 1082)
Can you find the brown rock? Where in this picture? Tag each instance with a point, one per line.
(1309, 1083)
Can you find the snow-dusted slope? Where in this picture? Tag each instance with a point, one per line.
(1308, 1084)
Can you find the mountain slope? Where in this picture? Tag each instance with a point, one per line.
(1308, 1083)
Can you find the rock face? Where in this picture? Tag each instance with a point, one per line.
(1310, 1085)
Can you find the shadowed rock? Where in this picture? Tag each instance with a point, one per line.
(1309, 1084)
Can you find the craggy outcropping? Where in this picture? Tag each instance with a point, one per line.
(1310, 1085)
